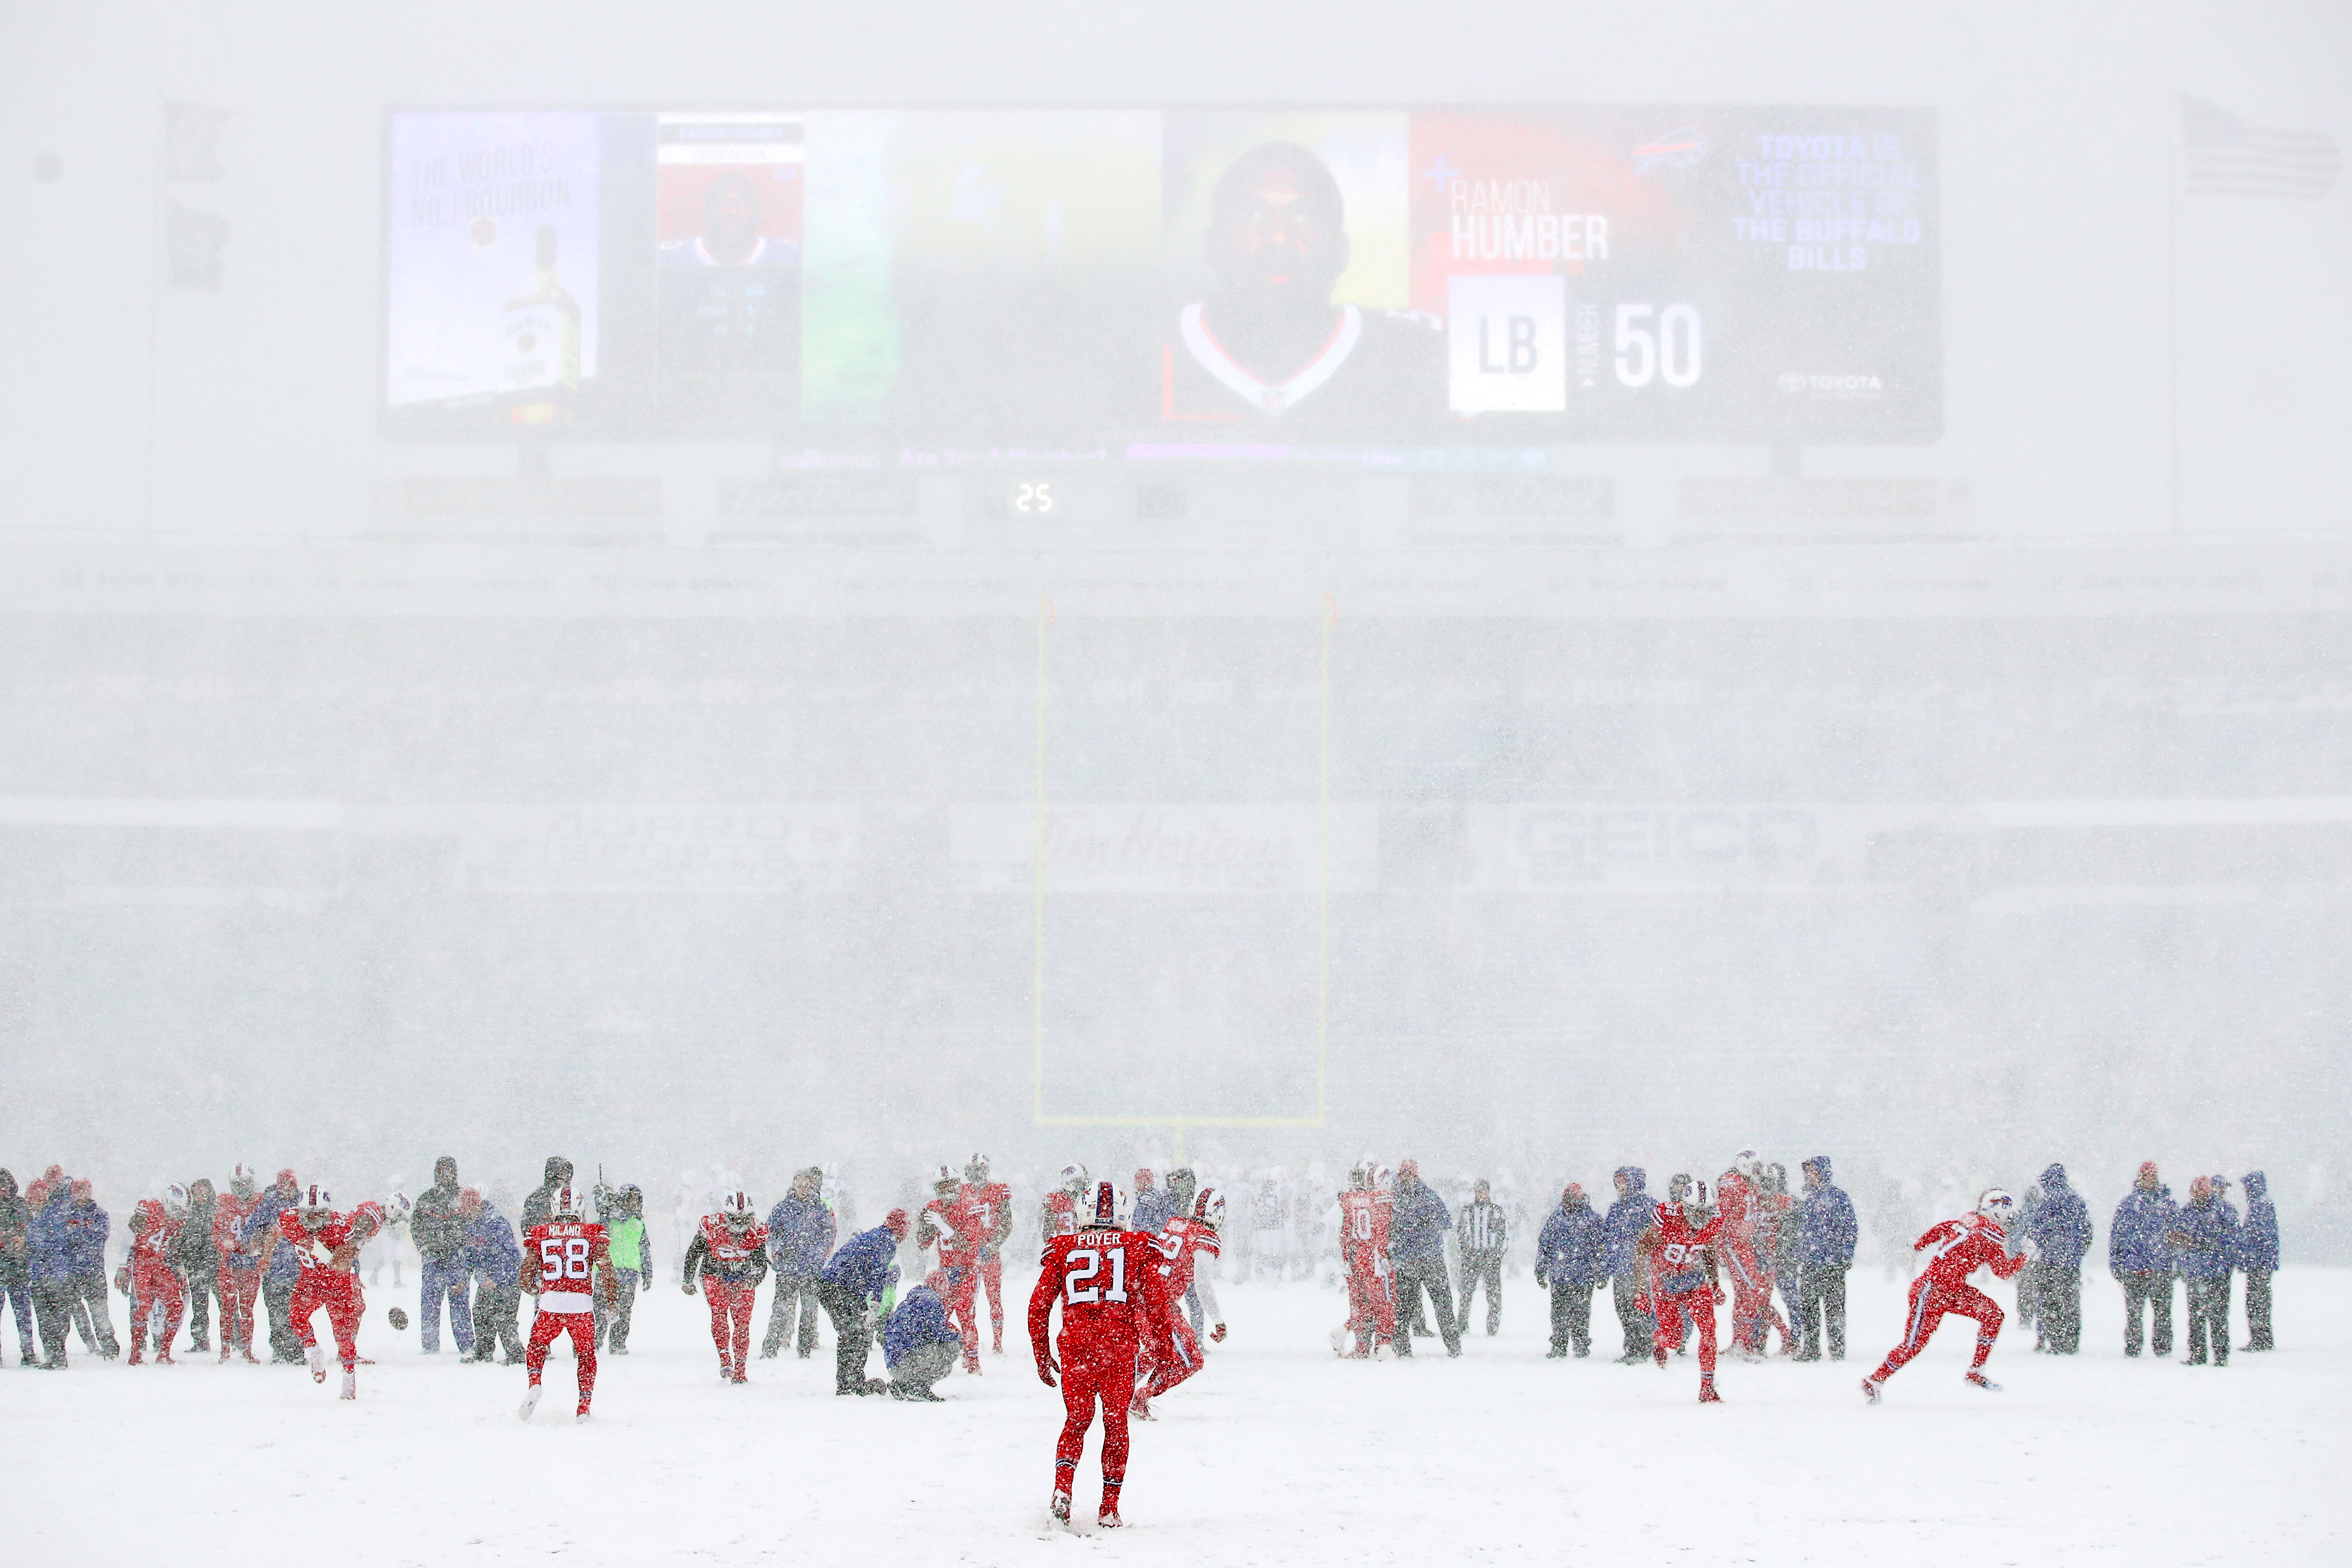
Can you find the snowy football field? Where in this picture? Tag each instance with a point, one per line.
(1276, 1454)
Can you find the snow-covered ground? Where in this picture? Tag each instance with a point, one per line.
(1276, 1454)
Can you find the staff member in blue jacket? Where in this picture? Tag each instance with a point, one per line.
(88, 1227)
(800, 1239)
(851, 1286)
(2204, 1239)
(1627, 1218)
(2061, 1229)
(2258, 1255)
(492, 1257)
(1825, 1239)
(2141, 1263)
(50, 1255)
(1571, 1258)
(918, 1344)
(1417, 1226)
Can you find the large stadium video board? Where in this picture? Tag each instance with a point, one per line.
(1155, 279)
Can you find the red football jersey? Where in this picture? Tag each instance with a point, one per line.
(317, 1245)
(1735, 1207)
(569, 1253)
(1112, 1296)
(1061, 1214)
(1677, 1261)
(1958, 1247)
(730, 1250)
(150, 1249)
(991, 1204)
(1181, 1242)
(957, 1226)
(229, 1214)
(1364, 1225)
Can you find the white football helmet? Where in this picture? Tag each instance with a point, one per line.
(735, 1209)
(1075, 1180)
(566, 1203)
(1997, 1205)
(1209, 1208)
(316, 1199)
(1749, 1163)
(1383, 1179)
(175, 1201)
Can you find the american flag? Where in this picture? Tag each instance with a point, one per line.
(2228, 156)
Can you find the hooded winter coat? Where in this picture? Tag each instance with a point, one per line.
(2211, 1251)
(17, 1224)
(540, 1207)
(863, 1264)
(88, 1228)
(920, 1318)
(1572, 1249)
(50, 1238)
(433, 1224)
(1825, 1226)
(2136, 1239)
(800, 1234)
(1417, 1224)
(1627, 1218)
(490, 1249)
(2258, 1248)
(2062, 1225)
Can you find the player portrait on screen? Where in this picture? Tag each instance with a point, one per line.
(1266, 348)
(730, 282)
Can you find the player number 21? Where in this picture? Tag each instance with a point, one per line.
(1085, 1267)
(563, 1258)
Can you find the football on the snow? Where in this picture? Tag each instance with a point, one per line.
(399, 1318)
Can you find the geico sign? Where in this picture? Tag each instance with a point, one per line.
(1577, 840)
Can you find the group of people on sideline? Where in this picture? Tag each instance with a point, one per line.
(218, 1258)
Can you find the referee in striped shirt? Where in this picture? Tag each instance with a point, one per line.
(1483, 1236)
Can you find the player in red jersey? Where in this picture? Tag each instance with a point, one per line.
(148, 1277)
(566, 1264)
(730, 1252)
(950, 1225)
(1364, 1212)
(1113, 1306)
(1681, 1247)
(1058, 1214)
(1957, 1249)
(329, 1244)
(240, 1269)
(992, 1202)
(1182, 1242)
(1735, 1202)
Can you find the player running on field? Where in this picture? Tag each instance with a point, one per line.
(729, 1249)
(1182, 1242)
(567, 1264)
(1680, 1248)
(1113, 1305)
(1957, 1249)
(327, 1245)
